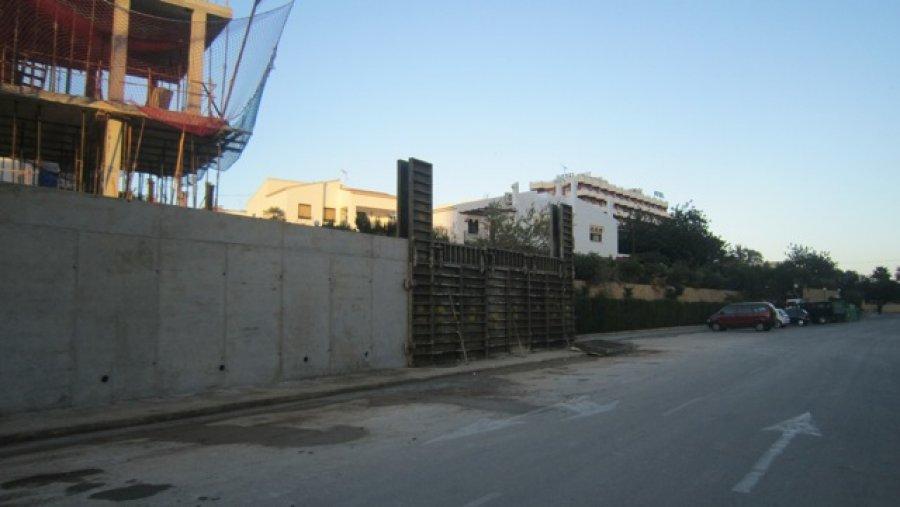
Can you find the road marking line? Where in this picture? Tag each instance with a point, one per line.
(479, 426)
(585, 408)
(581, 406)
(789, 429)
(683, 405)
(483, 500)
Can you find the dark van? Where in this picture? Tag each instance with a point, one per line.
(760, 316)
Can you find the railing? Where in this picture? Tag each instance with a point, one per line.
(141, 87)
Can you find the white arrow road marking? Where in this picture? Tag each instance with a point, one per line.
(580, 406)
(802, 424)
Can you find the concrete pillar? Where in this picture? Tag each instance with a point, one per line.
(114, 136)
(112, 157)
(195, 60)
(118, 58)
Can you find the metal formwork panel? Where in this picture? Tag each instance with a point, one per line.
(468, 302)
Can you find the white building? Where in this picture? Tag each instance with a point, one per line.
(619, 202)
(321, 202)
(594, 229)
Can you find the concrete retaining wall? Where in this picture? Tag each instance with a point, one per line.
(104, 300)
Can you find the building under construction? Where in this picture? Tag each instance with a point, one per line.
(144, 99)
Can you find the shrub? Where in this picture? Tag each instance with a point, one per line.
(601, 314)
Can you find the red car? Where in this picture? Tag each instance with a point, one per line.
(760, 316)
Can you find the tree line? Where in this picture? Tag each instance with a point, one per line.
(682, 251)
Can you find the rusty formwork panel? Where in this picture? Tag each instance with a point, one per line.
(469, 302)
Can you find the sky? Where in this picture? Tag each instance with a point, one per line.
(779, 119)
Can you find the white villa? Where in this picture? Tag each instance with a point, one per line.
(594, 230)
(321, 202)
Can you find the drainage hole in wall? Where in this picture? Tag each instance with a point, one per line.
(104, 378)
(305, 359)
(366, 354)
(221, 367)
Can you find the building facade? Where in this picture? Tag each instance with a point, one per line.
(594, 229)
(597, 192)
(321, 202)
(111, 98)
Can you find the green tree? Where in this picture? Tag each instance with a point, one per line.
(439, 233)
(509, 230)
(743, 255)
(342, 226)
(880, 289)
(365, 225)
(852, 286)
(274, 213)
(684, 236)
(806, 267)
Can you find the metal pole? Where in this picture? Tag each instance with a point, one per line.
(137, 153)
(179, 168)
(193, 176)
(53, 57)
(218, 174)
(80, 162)
(37, 156)
(90, 82)
(14, 61)
(15, 133)
(71, 54)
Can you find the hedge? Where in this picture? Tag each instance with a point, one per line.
(601, 314)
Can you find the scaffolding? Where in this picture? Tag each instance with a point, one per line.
(131, 98)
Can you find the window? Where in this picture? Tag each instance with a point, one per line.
(304, 211)
(343, 215)
(473, 226)
(596, 233)
(328, 215)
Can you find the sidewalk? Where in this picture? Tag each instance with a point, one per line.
(31, 426)
(658, 332)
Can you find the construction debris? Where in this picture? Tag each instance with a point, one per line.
(604, 347)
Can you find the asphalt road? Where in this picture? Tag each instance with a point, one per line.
(800, 416)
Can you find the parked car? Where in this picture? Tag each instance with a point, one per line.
(797, 315)
(783, 319)
(820, 312)
(760, 316)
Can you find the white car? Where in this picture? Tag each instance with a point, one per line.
(783, 318)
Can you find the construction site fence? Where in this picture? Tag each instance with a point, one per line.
(470, 302)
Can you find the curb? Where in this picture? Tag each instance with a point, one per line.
(20, 437)
(642, 333)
